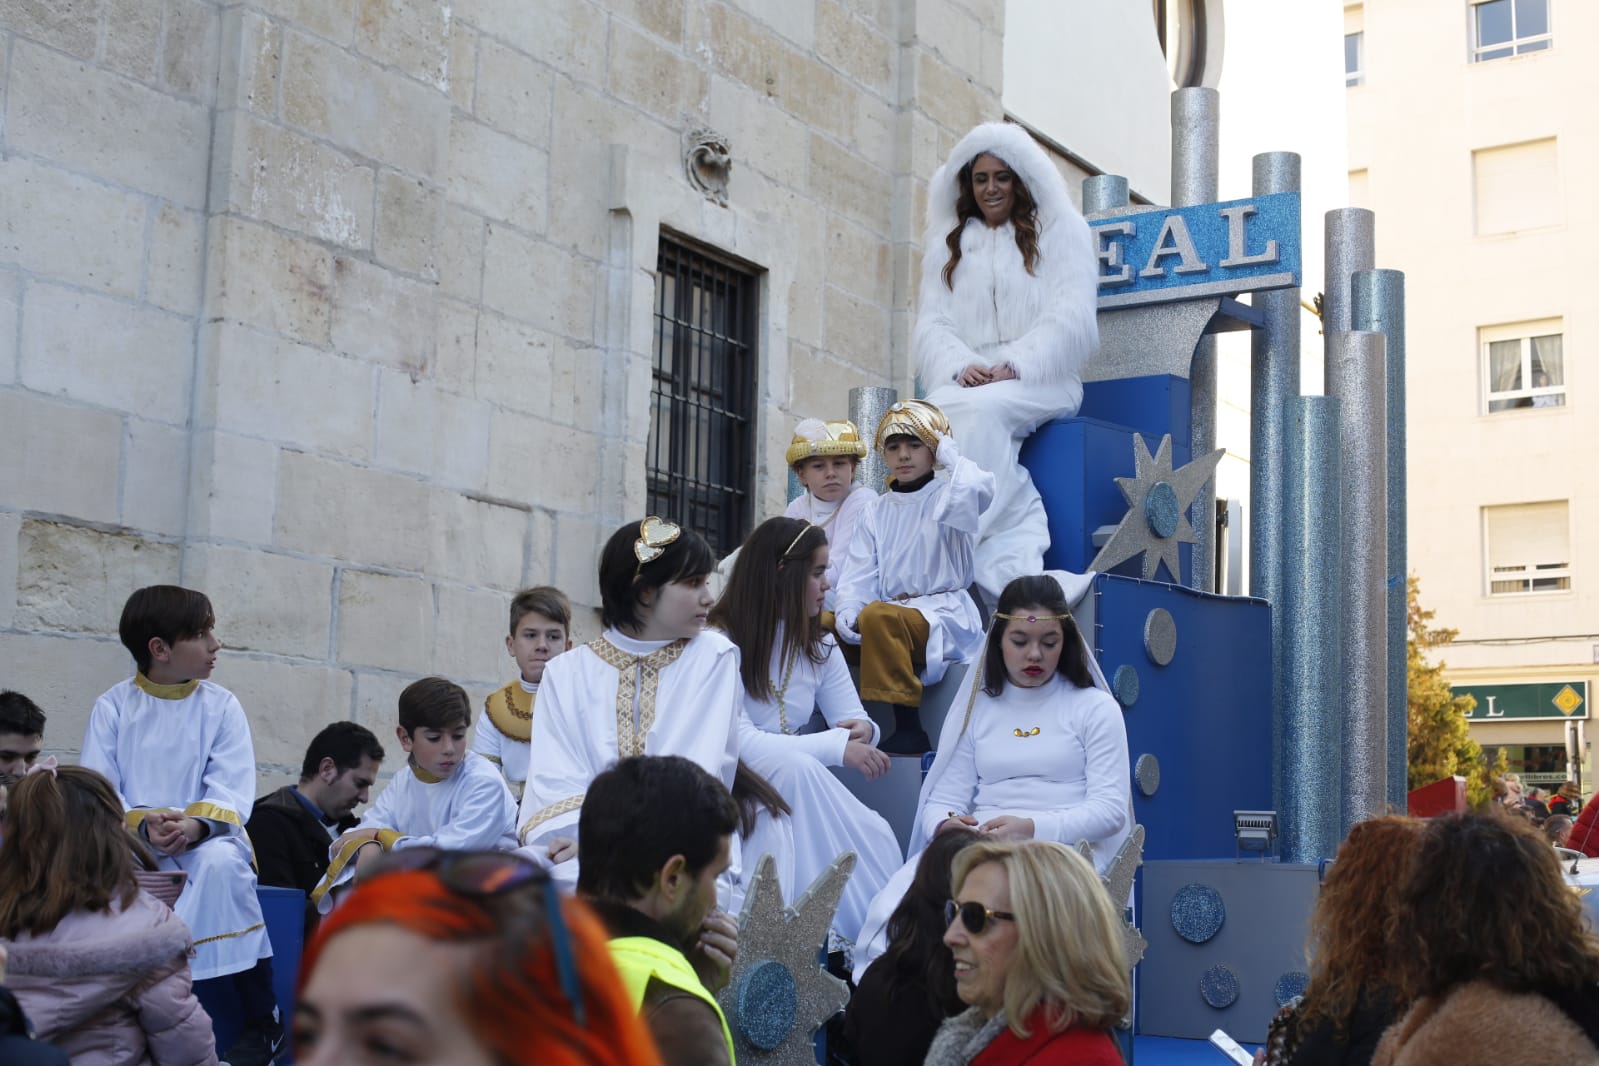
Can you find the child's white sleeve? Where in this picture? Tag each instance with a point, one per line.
(857, 584)
(487, 739)
(100, 744)
(956, 787)
(228, 785)
(841, 534)
(838, 699)
(966, 497)
(485, 819)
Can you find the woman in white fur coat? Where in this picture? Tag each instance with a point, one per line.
(1005, 323)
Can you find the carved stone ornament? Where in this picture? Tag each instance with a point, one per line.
(708, 162)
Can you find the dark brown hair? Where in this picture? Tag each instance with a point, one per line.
(169, 612)
(767, 589)
(623, 578)
(1044, 593)
(434, 703)
(19, 714)
(1349, 926)
(546, 600)
(66, 849)
(1485, 900)
(917, 956)
(1023, 218)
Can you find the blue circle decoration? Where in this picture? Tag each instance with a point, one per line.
(767, 1004)
(1125, 684)
(1219, 986)
(1197, 913)
(1161, 510)
(1146, 771)
(1290, 986)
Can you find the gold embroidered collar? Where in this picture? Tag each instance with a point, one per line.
(511, 711)
(181, 691)
(640, 676)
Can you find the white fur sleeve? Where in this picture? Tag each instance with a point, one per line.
(1058, 345)
(936, 346)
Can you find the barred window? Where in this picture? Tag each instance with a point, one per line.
(701, 452)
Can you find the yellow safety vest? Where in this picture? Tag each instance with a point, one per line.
(639, 958)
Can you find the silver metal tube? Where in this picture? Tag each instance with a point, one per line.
(1196, 135)
(867, 405)
(1273, 381)
(1103, 193)
(1356, 364)
(1351, 245)
(1307, 724)
(1378, 305)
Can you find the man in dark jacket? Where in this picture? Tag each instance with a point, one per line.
(292, 828)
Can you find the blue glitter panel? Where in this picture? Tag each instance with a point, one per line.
(1197, 913)
(1290, 986)
(1125, 684)
(768, 1003)
(1219, 986)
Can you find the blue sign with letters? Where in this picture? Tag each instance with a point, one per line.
(1184, 253)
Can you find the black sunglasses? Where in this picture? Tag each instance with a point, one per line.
(973, 915)
(486, 874)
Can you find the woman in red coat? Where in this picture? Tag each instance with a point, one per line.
(1038, 956)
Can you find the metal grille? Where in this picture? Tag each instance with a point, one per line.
(701, 448)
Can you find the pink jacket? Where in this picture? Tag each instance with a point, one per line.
(113, 989)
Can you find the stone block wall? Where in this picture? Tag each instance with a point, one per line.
(341, 309)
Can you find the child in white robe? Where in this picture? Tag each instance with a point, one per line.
(656, 682)
(443, 797)
(177, 749)
(825, 456)
(903, 594)
(789, 665)
(1035, 749)
(541, 624)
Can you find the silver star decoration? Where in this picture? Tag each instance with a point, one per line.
(791, 938)
(1158, 499)
(1118, 882)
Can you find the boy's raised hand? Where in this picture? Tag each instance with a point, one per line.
(947, 454)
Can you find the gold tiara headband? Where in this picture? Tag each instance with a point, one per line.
(654, 534)
(1033, 617)
(795, 542)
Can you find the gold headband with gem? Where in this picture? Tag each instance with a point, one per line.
(654, 534)
(1034, 617)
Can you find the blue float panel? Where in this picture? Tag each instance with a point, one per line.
(1205, 716)
(1075, 463)
(284, 911)
(1153, 405)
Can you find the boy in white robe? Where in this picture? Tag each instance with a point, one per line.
(902, 596)
(444, 797)
(825, 456)
(655, 683)
(541, 624)
(177, 749)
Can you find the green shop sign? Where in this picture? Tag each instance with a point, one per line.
(1557, 700)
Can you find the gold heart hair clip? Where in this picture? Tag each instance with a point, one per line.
(654, 534)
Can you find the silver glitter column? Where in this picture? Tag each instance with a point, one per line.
(867, 405)
(1195, 136)
(1104, 194)
(1355, 375)
(1351, 246)
(1307, 723)
(1378, 305)
(1273, 381)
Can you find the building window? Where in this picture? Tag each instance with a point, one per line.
(1354, 59)
(1516, 187)
(1523, 365)
(1504, 28)
(1528, 548)
(701, 446)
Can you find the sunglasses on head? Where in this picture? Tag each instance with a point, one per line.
(487, 874)
(973, 915)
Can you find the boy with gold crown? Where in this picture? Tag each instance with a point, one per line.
(824, 456)
(902, 594)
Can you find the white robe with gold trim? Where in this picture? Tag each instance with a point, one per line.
(192, 755)
(511, 756)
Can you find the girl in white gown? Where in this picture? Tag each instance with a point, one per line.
(789, 666)
(1035, 750)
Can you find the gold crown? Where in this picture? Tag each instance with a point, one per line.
(813, 437)
(915, 418)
